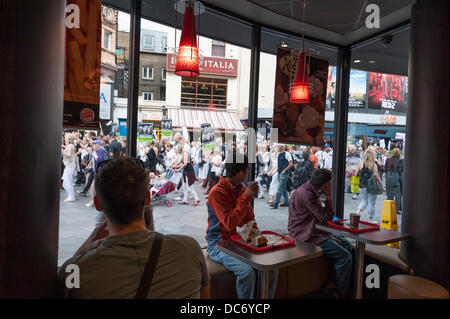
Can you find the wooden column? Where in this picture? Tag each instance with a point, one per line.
(32, 54)
(425, 187)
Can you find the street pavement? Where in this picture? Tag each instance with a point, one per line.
(77, 221)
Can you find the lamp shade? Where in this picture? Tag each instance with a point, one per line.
(187, 58)
(300, 86)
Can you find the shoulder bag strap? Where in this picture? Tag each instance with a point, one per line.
(147, 276)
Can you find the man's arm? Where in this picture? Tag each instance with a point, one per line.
(230, 217)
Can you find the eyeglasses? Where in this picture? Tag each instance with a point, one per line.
(104, 163)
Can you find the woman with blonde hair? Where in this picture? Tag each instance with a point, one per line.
(69, 160)
(366, 169)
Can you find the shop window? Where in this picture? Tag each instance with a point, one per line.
(204, 92)
(148, 96)
(147, 73)
(218, 49)
(163, 74)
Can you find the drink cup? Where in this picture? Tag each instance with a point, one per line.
(354, 220)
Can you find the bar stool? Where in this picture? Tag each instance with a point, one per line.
(412, 287)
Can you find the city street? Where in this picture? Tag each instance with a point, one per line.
(77, 221)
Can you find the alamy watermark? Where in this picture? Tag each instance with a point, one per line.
(73, 17)
(373, 18)
(373, 278)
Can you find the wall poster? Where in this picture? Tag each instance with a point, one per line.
(83, 58)
(300, 124)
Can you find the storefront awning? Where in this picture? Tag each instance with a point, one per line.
(193, 118)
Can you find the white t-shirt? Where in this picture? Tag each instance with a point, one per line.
(170, 157)
(216, 160)
(288, 156)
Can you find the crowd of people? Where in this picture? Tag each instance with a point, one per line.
(279, 168)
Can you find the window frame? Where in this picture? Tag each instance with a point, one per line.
(148, 93)
(146, 77)
(150, 48)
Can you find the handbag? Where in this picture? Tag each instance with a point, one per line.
(373, 186)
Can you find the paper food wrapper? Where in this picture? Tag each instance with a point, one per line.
(245, 230)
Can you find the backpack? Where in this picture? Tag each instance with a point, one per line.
(392, 175)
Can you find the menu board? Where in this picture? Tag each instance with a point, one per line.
(300, 124)
(388, 91)
(82, 71)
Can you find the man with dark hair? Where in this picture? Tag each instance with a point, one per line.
(113, 259)
(114, 146)
(311, 204)
(229, 205)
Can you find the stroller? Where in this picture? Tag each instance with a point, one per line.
(160, 192)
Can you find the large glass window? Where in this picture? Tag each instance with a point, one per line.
(376, 125)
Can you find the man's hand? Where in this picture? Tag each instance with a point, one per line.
(95, 239)
(252, 189)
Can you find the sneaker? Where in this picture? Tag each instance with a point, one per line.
(355, 196)
(178, 198)
(260, 197)
(81, 193)
(89, 205)
(284, 205)
(273, 206)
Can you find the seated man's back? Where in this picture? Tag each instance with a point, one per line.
(113, 259)
(114, 269)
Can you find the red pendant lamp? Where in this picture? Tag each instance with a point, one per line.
(187, 63)
(300, 86)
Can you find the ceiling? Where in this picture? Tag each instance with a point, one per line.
(340, 22)
(331, 23)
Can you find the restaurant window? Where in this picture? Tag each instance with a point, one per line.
(376, 122)
(147, 73)
(218, 49)
(148, 96)
(204, 92)
(148, 43)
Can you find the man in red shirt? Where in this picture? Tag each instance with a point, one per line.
(229, 205)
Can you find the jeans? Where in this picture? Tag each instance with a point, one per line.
(245, 274)
(368, 199)
(395, 193)
(342, 260)
(264, 180)
(282, 180)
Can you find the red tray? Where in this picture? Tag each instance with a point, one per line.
(238, 239)
(362, 227)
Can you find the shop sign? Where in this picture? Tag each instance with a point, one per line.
(388, 118)
(151, 116)
(210, 65)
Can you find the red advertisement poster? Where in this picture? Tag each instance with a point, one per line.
(387, 91)
(83, 58)
(300, 124)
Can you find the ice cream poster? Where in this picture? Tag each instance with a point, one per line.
(300, 124)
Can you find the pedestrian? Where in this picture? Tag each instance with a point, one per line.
(284, 165)
(273, 173)
(314, 158)
(114, 146)
(366, 169)
(69, 160)
(304, 170)
(394, 173)
(353, 159)
(188, 178)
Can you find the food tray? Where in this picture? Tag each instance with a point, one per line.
(290, 242)
(362, 227)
